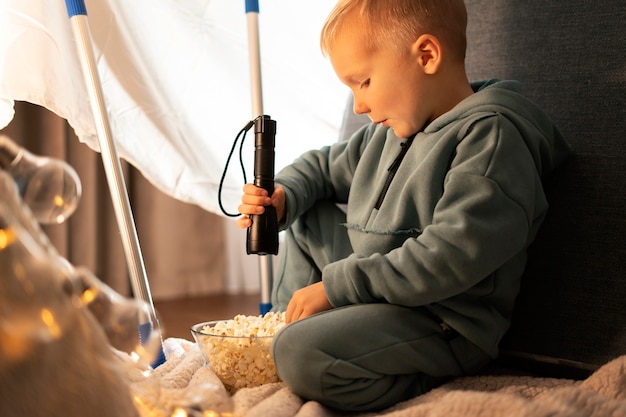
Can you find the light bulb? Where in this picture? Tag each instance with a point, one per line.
(121, 318)
(49, 187)
(34, 307)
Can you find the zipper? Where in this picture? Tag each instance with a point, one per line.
(393, 169)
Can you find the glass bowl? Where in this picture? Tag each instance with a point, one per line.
(237, 357)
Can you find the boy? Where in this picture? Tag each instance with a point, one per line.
(417, 282)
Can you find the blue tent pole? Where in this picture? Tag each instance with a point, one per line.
(254, 52)
(78, 18)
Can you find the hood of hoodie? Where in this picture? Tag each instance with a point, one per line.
(546, 143)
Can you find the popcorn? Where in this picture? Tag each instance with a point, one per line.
(239, 350)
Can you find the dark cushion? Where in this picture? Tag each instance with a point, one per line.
(571, 58)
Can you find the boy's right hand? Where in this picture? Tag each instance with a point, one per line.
(255, 199)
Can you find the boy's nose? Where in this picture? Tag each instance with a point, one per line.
(360, 107)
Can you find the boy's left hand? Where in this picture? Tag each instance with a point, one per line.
(307, 301)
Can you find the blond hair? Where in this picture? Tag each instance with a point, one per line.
(395, 24)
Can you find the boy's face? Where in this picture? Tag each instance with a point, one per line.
(390, 88)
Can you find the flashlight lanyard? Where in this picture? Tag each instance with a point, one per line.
(242, 134)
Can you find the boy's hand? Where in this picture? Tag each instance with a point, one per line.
(255, 199)
(307, 301)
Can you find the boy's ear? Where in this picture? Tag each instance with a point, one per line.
(427, 50)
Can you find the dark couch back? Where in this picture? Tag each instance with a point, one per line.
(571, 58)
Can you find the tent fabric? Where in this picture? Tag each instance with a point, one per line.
(176, 83)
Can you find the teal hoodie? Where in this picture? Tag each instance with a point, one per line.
(451, 229)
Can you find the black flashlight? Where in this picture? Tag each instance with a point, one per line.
(262, 236)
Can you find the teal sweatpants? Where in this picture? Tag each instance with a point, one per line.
(361, 357)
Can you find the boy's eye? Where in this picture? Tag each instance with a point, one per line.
(365, 83)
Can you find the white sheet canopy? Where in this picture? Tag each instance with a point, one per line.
(176, 82)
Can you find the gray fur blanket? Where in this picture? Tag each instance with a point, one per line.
(184, 378)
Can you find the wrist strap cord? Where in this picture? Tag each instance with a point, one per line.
(242, 134)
